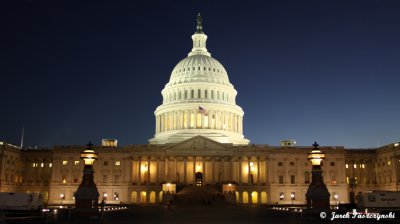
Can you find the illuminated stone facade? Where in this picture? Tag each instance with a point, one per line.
(134, 174)
(198, 141)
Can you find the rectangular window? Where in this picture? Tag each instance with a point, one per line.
(105, 178)
(292, 179)
(198, 93)
(50, 164)
(64, 179)
(332, 163)
(355, 166)
(42, 165)
(76, 162)
(105, 163)
(116, 178)
(117, 163)
(65, 162)
(291, 163)
(76, 180)
(280, 164)
(347, 166)
(281, 196)
(280, 179)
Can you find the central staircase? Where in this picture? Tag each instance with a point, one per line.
(199, 195)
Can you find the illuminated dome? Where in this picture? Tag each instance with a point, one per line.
(199, 100)
(199, 68)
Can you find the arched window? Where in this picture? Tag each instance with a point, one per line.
(245, 197)
(134, 197)
(263, 197)
(185, 94)
(143, 196)
(152, 197)
(254, 197)
(212, 94)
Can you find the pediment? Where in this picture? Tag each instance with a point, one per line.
(197, 143)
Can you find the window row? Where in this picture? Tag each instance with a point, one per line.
(307, 178)
(198, 68)
(77, 162)
(42, 165)
(199, 94)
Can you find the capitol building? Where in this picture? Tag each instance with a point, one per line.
(198, 143)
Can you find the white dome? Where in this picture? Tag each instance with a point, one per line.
(199, 68)
(199, 100)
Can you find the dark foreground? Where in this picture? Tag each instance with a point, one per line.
(197, 214)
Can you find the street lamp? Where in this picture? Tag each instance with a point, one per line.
(62, 197)
(317, 194)
(292, 197)
(87, 195)
(105, 198)
(337, 202)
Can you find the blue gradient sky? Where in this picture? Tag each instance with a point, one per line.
(306, 70)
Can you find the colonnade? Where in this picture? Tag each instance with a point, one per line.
(213, 170)
(187, 119)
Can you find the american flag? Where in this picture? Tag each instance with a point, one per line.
(203, 111)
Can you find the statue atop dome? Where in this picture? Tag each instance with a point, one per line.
(199, 24)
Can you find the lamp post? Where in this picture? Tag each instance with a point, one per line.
(317, 194)
(62, 197)
(105, 198)
(292, 197)
(337, 202)
(87, 195)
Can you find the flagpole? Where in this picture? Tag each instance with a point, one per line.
(22, 137)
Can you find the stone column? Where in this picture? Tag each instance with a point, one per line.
(158, 171)
(194, 170)
(140, 171)
(148, 171)
(222, 169)
(184, 170)
(204, 170)
(258, 171)
(167, 178)
(249, 171)
(213, 170)
(240, 171)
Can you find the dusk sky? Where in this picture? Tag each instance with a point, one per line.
(326, 71)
